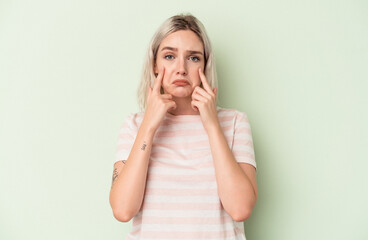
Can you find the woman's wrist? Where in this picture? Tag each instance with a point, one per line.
(147, 129)
(213, 127)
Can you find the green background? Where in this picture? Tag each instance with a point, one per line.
(69, 71)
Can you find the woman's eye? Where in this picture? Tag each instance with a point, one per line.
(169, 57)
(195, 59)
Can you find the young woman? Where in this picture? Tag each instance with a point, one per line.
(184, 168)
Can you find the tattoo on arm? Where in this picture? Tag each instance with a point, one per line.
(114, 175)
(144, 146)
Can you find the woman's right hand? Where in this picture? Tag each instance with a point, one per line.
(157, 104)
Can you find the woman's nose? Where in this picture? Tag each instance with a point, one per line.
(181, 68)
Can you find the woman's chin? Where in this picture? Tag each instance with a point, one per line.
(181, 96)
(181, 93)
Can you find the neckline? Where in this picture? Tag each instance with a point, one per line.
(186, 116)
(182, 116)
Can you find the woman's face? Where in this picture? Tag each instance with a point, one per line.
(181, 54)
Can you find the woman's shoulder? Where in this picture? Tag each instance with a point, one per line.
(134, 119)
(135, 115)
(238, 118)
(222, 112)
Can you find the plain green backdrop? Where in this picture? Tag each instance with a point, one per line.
(69, 71)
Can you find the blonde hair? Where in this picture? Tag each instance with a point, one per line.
(173, 24)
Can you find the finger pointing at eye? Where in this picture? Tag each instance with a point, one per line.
(158, 81)
(204, 81)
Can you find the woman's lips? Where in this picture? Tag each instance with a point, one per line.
(181, 82)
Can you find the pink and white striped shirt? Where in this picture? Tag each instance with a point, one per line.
(181, 199)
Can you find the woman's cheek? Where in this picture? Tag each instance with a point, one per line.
(165, 83)
(197, 81)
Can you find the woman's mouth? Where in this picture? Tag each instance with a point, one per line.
(181, 82)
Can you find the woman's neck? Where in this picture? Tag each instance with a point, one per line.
(183, 107)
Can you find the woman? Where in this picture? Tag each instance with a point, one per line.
(184, 168)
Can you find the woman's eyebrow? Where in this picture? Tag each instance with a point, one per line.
(175, 50)
(170, 48)
(194, 52)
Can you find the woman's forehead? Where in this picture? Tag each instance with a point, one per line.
(181, 40)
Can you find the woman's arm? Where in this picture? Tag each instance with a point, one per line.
(236, 182)
(129, 179)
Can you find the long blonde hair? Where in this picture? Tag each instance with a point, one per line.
(173, 24)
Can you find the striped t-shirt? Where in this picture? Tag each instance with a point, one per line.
(181, 199)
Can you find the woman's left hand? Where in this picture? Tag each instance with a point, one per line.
(204, 101)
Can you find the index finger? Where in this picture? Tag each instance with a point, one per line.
(204, 81)
(158, 81)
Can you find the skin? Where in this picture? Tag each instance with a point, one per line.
(180, 56)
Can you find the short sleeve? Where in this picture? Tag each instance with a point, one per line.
(126, 139)
(243, 149)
